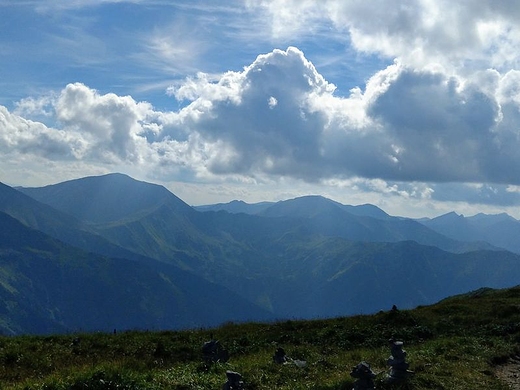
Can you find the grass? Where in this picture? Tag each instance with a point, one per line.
(454, 344)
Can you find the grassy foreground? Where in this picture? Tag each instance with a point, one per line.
(454, 344)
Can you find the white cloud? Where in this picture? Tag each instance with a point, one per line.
(406, 125)
(260, 140)
(109, 123)
(439, 124)
(19, 136)
(419, 32)
(175, 48)
(279, 119)
(35, 107)
(93, 127)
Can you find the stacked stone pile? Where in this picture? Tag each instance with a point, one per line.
(364, 377)
(397, 362)
(279, 356)
(213, 351)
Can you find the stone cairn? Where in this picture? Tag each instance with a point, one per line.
(397, 362)
(364, 377)
(279, 356)
(234, 381)
(213, 352)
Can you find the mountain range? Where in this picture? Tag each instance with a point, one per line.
(109, 251)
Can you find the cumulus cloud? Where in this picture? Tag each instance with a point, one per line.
(109, 123)
(262, 117)
(39, 107)
(89, 126)
(407, 125)
(19, 136)
(279, 118)
(419, 32)
(440, 130)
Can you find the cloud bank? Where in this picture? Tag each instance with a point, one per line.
(460, 34)
(280, 118)
(439, 123)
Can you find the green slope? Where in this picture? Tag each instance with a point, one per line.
(305, 258)
(456, 344)
(48, 286)
(106, 198)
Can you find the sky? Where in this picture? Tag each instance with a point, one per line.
(413, 106)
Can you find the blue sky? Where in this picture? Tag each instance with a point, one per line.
(412, 106)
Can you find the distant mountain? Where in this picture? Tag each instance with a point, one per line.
(161, 227)
(367, 210)
(125, 211)
(107, 198)
(56, 223)
(363, 223)
(47, 286)
(235, 207)
(302, 258)
(311, 205)
(500, 230)
(490, 219)
(141, 219)
(305, 206)
(238, 206)
(408, 275)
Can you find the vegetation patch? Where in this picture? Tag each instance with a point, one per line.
(455, 344)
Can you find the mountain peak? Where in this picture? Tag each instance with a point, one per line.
(105, 198)
(492, 217)
(367, 210)
(452, 215)
(304, 206)
(235, 207)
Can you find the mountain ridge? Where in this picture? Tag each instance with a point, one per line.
(84, 198)
(500, 230)
(63, 289)
(301, 258)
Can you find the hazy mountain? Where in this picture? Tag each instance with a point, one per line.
(238, 206)
(367, 210)
(35, 214)
(56, 223)
(47, 286)
(304, 257)
(363, 223)
(235, 207)
(106, 198)
(220, 247)
(311, 205)
(373, 278)
(137, 217)
(332, 276)
(163, 227)
(125, 209)
(500, 230)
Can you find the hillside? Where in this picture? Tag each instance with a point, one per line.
(500, 230)
(367, 223)
(47, 286)
(107, 198)
(302, 258)
(461, 343)
(57, 224)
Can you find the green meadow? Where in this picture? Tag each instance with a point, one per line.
(454, 344)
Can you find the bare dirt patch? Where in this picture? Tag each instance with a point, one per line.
(509, 372)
